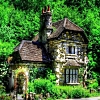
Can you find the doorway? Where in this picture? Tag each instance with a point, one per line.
(21, 83)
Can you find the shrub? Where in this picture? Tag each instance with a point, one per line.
(66, 90)
(55, 92)
(92, 84)
(73, 91)
(79, 92)
(95, 94)
(63, 89)
(51, 76)
(2, 90)
(64, 95)
(30, 87)
(7, 98)
(42, 85)
(46, 86)
(3, 93)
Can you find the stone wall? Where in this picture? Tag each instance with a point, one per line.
(59, 51)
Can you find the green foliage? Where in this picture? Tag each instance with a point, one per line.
(2, 90)
(30, 87)
(92, 84)
(42, 85)
(3, 93)
(95, 94)
(42, 72)
(33, 74)
(51, 98)
(4, 48)
(64, 89)
(46, 86)
(94, 79)
(7, 98)
(50, 75)
(3, 72)
(64, 95)
(79, 92)
(59, 92)
(73, 91)
(55, 92)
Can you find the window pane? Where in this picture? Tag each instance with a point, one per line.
(70, 49)
(76, 75)
(67, 71)
(71, 79)
(67, 78)
(74, 71)
(70, 71)
(73, 50)
(77, 71)
(67, 49)
(64, 44)
(78, 50)
(74, 79)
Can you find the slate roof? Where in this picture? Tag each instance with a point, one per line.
(32, 51)
(72, 62)
(60, 26)
(64, 24)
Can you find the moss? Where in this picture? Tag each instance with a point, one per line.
(54, 29)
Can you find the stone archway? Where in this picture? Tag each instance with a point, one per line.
(21, 83)
(21, 80)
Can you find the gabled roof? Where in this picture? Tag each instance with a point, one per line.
(71, 26)
(32, 51)
(72, 62)
(64, 24)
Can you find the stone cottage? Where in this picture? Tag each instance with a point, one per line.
(61, 45)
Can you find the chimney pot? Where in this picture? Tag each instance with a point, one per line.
(42, 10)
(45, 8)
(48, 9)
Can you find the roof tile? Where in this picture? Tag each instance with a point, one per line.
(72, 62)
(31, 51)
(64, 24)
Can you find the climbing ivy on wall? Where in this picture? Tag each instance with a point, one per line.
(21, 70)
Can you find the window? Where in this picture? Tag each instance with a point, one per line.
(71, 49)
(71, 75)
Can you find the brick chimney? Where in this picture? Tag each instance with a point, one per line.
(46, 24)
